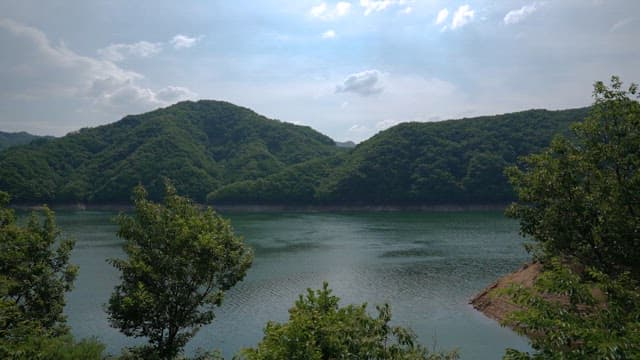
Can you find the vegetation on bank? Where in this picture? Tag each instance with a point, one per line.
(580, 203)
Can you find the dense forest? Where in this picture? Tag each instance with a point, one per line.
(456, 161)
(224, 154)
(8, 139)
(199, 145)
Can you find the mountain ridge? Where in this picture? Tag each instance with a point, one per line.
(193, 143)
(218, 152)
(8, 139)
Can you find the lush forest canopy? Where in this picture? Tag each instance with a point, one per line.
(456, 161)
(198, 145)
(224, 154)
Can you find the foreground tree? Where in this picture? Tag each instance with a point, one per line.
(581, 197)
(319, 329)
(580, 201)
(180, 261)
(572, 314)
(35, 273)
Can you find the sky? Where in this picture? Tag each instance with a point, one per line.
(349, 69)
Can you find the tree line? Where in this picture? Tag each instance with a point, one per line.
(219, 153)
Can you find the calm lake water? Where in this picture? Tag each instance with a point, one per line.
(426, 265)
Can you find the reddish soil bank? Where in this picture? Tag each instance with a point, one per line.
(497, 306)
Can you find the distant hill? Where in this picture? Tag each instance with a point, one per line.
(455, 161)
(199, 145)
(8, 139)
(448, 162)
(346, 144)
(225, 154)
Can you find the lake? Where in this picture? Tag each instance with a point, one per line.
(426, 265)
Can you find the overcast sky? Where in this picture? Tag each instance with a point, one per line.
(347, 68)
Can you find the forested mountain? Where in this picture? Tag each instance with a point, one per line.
(226, 154)
(8, 139)
(448, 162)
(455, 161)
(199, 145)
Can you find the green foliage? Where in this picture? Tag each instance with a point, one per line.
(180, 261)
(149, 353)
(296, 184)
(318, 328)
(581, 197)
(457, 161)
(34, 275)
(579, 200)
(572, 315)
(34, 267)
(40, 346)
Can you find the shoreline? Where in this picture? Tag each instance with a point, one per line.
(285, 208)
(498, 307)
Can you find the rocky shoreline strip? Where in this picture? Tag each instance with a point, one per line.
(497, 306)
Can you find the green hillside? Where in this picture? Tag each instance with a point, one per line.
(199, 145)
(455, 161)
(295, 185)
(225, 154)
(8, 139)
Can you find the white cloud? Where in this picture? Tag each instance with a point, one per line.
(343, 8)
(324, 12)
(118, 52)
(386, 123)
(408, 10)
(379, 5)
(38, 69)
(442, 16)
(515, 16)
(406, 97)
(172, 94)
(318, 10)
(183, 41)
(329, 34)
(620, 24)
(128, 96)
(364, 83)
(462, 17)
(358, 131)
